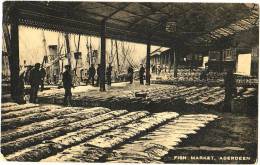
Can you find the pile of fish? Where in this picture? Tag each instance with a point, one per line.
(155, 145)
(192, 77)
(90, 134)
(151, 98)
(246, 101)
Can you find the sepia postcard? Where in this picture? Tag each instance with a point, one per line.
(130, 82)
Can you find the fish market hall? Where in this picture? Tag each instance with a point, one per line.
(129, 82)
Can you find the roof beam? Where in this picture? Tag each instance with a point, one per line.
(154, 9)
(230, 26)
(79, 11)
(104, 17)
(67, 15)
(222, 32)
(253, 7)
(151, 19)
(76, 5)
(227, 31)
(241, 27)
(116, 11)
(142, 18)
(170, 16)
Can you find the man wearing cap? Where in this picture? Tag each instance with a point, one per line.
(43, 74)
(98, 75)
(35, 81)
(109, 74)
(141, 74)
(230, 89)
(67, 84)
(91, 74)
(130, 74)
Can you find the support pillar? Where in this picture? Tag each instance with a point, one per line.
(148, 56)
(171, 58)
(221, 69)
(169, 62)
(165, 59)
(117, 58)
(68, 48)
(16, 92)
(175, 71)
(103, 57)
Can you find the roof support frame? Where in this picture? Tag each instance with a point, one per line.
(107, 4)
(142, 18)
(227, 31)
(170, 16)
(116, 11)
(230, 26)
(222, 32)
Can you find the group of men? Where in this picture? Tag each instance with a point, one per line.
(92, 72)
(37, 75)
(157, 69)
(36, 78)
(67, 78)
(130, 72)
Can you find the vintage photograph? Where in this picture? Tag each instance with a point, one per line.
(129, 82)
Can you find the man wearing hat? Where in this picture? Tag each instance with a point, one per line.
(67, 84)
(141, 74)
(109, 74)
(35, 81)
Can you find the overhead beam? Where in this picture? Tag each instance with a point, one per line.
(116, 11)
(68, 14)
(227, 31)
(6, 37)
(142, 18)
(68, 48)
(155, 9)
(103, 56)
(225, 25)
(151, 19)
(77, 5)
(16, 93)
(148, 57)
(181, 14)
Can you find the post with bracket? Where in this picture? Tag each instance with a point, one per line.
(103, 56)
(16, 93)
(148, 56)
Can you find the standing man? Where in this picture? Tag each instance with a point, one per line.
(21, 87)
(131, 74)
(91, 74)
(165, 68)
(67, 84)
(230, 89)
(203, 75)
(153, 68)
(35, 81)
(98, 75)
(141, 74)
(159, 69)
(54, 79)
(43, 74)
(108, 74)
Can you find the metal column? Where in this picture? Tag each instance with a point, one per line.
(148, 55)
(68, 48)
(175, 71)
(14, 58)
(169, 62)
(103, 57)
